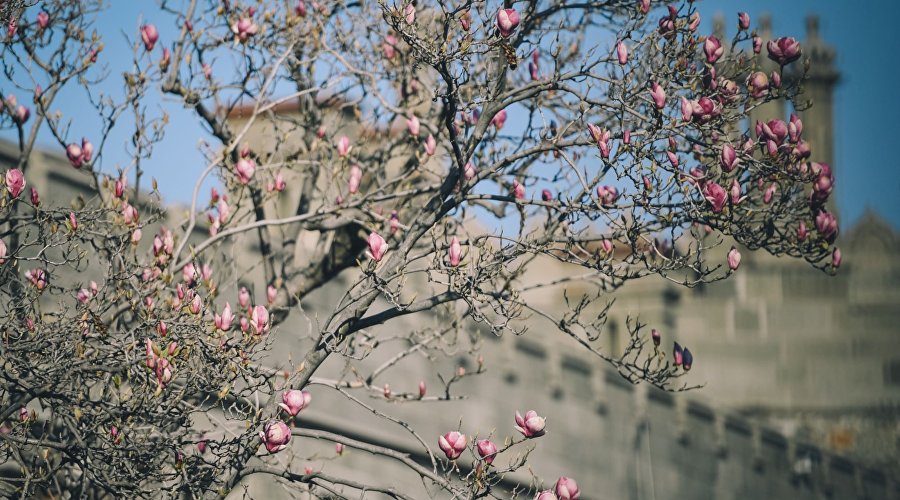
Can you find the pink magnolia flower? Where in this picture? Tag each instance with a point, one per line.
(412, 124)
(547, 494)
(546, 195)
(715, 195)
(667, 23)
(567, 489)
(827, 226)
(705, 109)
(758, 84)
(75, 155)
(622, 52)
(507, 22)
(21, 115)
(164, 372)
(734, 258)
(518, 190)
(37, 277)
(292, 401)
(15, 182)
(300, 9)
(499, 119)
(694, 22)
(244, 28)
(275, 435)
(129, 213)
(245, 167)
(196, 304)
(452, 444)
(757, 44)
(770, 193)
(377, 246)
(795, 128)
(409, 13)
(244, 297)
(784, 50)
(430, 145)
(3, 251)
(454, 252)
(343, 146)
(658, 95)
(743, 20)
(608, 195)
(606, 246)
(487, 450)
(531, 425)
(735, 193)
(355, 178)
(223, 321)
(728, 159)
(149, 35)
(259, 320)
(601, 137)
(390, 46)
(43, 20)
(713, 49)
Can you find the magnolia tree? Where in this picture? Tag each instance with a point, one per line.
(608, 135)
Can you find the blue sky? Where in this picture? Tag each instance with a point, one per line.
(866, 107)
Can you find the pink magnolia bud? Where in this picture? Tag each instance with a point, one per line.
(244, 297)
(677, 354)
(658, 95)
(705, 109)
(2, 252)
(836, 258)
(377, 247)
(469, 171)
(507, 22)
(21, 114)
(687, 359)
(466, 20)
(622, 52)
(667, 23)
(801, 231)
(734, 258)
(387, 391)
(207, 71)
(743, 20)
(757, 44)
(83, 296)
(409, 13)
(452, 444)
(172, 348)
(827, 226)
(784, 50)
(271, 293)
(259, 320)
(454, 252)
(770, 192)
(531, 425)
(547, 494)
(343, 146)
(72, 221)
(15, 182)
(74, 153)
(292, 401)
(673, 158)
(43, 20)
(775, 80)
(422, 389)
(37, 277)
(245, 169)
(389, 46)
(129, 213)
(534, 71)
(244, 28)
(499, 119)
(546, 195)
(300, 9)
(395, 222)
(412, 125)
(188, 273)
(201, 446)
(430, 145)
(715, 195)
(166, 58)
(355, 178)
(164, 372)
(713, 49)
(149, 35)
(728, 159)
(695, 22)
(518, 190)
(339, 448)
(655, 336)
(35, 199)
(735, 193)
(567, 489)
(487, 450)
(196, 304)
(223, 322)
(275, 435)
